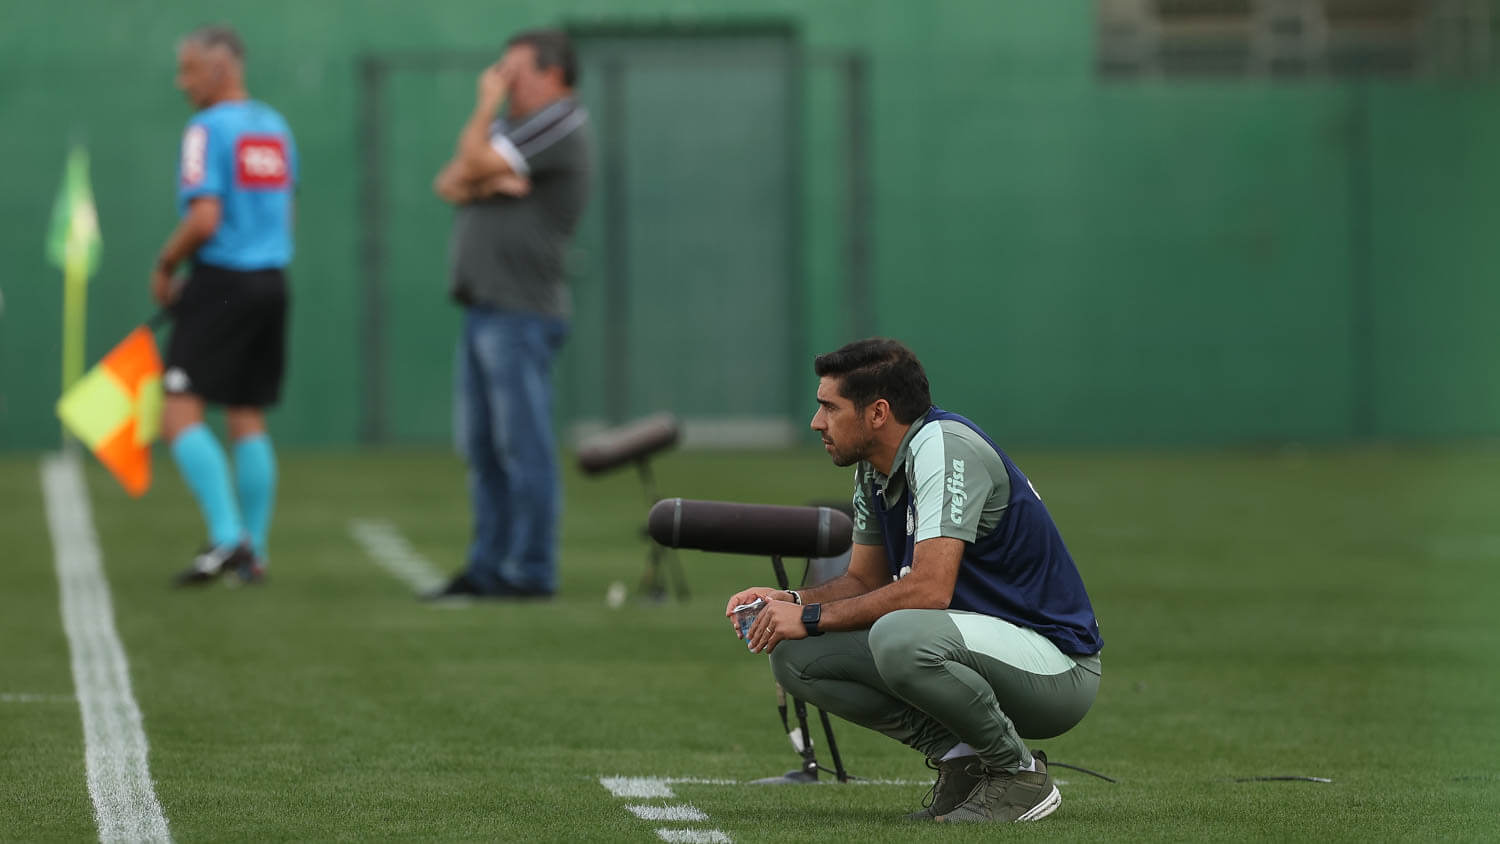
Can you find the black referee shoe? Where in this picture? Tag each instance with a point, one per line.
(212, 562)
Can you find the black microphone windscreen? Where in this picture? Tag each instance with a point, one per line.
(618, 446)
(764, 529)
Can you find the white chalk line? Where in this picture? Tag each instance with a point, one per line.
(32, 697)
(693, 836)
(115, 750)
(680, 812)
(390, 550)
(653, 786)
(661, 787)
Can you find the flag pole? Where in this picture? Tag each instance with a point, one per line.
(73, 245)
(75, 315)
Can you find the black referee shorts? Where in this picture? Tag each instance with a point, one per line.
(228, 343)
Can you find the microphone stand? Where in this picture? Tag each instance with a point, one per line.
(651, 582)
(808, 773)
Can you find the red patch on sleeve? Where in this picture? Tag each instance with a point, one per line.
(260, 162)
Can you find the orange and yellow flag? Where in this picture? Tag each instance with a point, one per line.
(115, 409)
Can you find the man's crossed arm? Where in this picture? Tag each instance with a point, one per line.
(477, 170)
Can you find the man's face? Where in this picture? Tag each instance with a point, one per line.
(528, 86)
(199, 74)
(847, 435)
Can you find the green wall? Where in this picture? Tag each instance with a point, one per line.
(1076, 261)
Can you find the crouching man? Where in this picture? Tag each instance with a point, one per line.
(962, 624)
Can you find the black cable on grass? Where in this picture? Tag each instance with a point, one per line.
(1283, 779)
(1052, 764)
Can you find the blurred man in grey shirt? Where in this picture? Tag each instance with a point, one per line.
(519, 183)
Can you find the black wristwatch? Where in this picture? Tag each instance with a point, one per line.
(811, 615)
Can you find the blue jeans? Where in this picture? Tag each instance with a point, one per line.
(503, 427)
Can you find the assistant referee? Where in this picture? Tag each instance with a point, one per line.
(237, 171)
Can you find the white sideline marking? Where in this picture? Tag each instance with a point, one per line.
(661, 788)
(684, 812)
(653, 786)
(27, 697)
(693, 836)
(637, 786)
(125, 804)
(386, 546)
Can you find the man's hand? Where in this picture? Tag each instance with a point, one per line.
(505, 184)
(493, 86)
(749, 595)
(163, 288)
(776, 622)
(451, 187)
(195, 228)
(453, 193)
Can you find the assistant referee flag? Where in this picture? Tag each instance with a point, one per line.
(115, 409)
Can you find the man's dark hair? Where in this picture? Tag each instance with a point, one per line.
(217, 37)
(553, 48)
(879, 368)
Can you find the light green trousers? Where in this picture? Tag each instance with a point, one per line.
(933, 678)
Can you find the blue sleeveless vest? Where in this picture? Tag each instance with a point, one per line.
(1021, 572)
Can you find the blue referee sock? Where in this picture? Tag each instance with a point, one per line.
(255, 480)
(201, 461)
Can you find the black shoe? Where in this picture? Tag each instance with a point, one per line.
(251, 572)
(212, 562)
(459, 587)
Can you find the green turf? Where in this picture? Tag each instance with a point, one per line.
(1277, 613)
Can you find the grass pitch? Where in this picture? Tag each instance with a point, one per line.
(1282, 613)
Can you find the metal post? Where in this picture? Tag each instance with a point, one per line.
(372, 385)
(1361, 294)
(616, 246)
(859, 289)
(653, 582)
(795, 193)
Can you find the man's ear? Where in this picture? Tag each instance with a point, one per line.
(879, 413)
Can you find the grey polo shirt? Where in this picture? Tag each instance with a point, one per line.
(507, 252)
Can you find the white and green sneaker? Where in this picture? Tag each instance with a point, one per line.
(956, 780)
(1003, 798)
